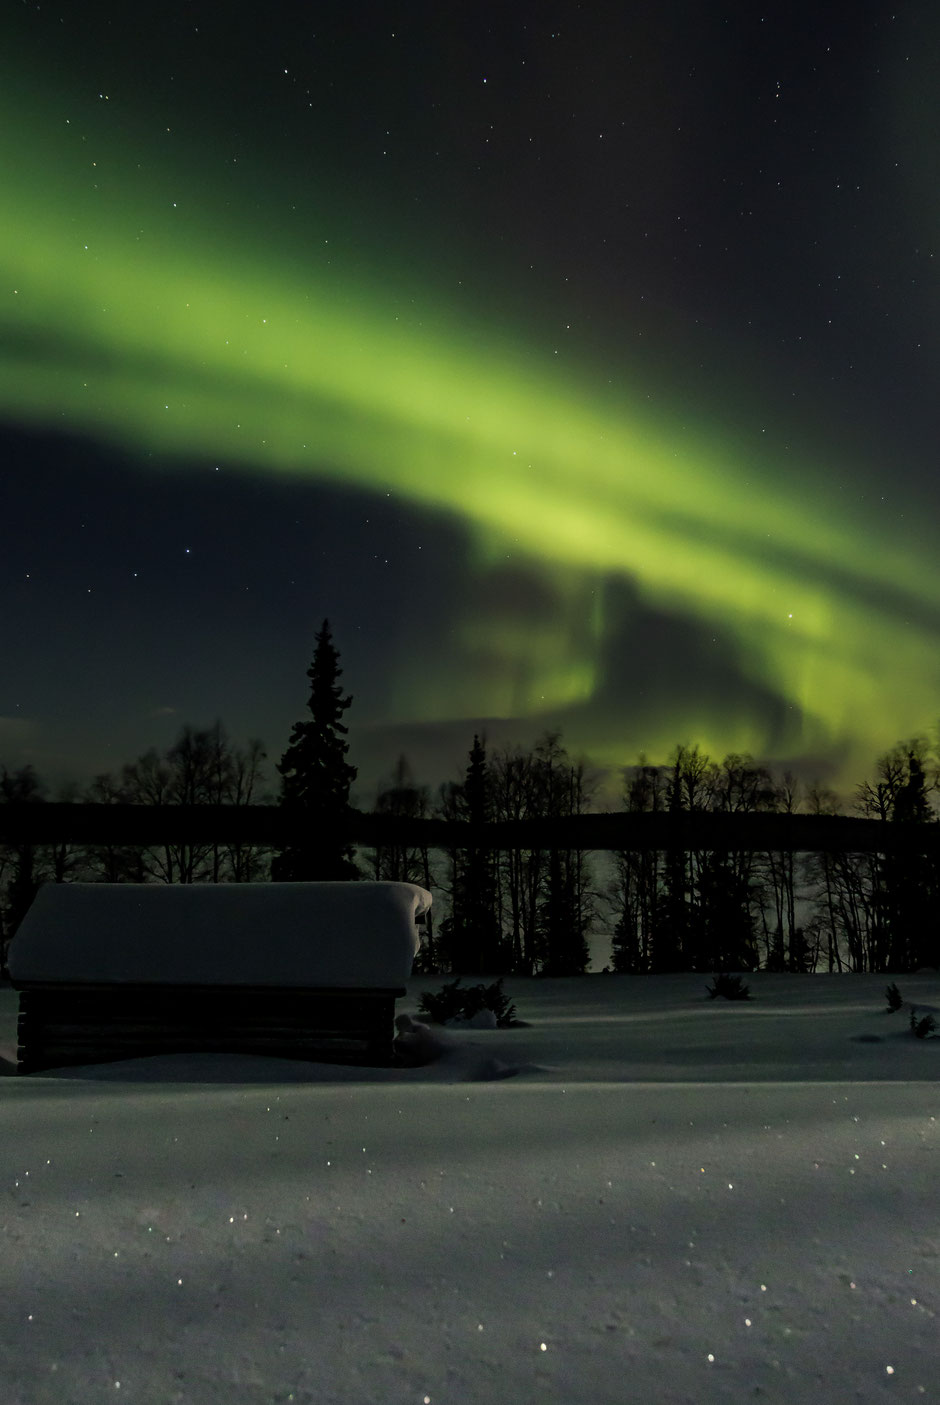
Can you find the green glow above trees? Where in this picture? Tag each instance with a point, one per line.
(155, 323)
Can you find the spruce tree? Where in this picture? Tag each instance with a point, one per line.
(477, 936)
(910, 878)
(638, 890)
(316, 777)
(566, 906)
(671, 931)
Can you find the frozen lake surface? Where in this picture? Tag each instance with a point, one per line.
(642, 1195)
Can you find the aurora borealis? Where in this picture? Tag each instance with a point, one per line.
(634, 440)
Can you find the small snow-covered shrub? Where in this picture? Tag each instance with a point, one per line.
(731, 987)
(893, 997)
(924, 1027)
(457, 1002)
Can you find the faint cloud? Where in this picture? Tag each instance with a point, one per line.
(16, 729)
(163, 712)
(17, 736)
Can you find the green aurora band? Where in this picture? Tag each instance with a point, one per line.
(140, 319)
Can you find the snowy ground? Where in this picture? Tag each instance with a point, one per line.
(642, 1196)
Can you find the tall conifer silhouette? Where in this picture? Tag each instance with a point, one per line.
(316, 777)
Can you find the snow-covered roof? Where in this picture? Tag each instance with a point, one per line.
(277, 934)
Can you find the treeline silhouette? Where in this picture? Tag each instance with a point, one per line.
(530, 910)
(714, 909)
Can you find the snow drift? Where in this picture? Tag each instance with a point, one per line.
(687, 1202)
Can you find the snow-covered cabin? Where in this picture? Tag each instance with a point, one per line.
(305, 970)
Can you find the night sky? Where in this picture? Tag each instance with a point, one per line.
(579, 362)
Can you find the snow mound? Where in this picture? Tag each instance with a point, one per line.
(421, 1045)
(483, 1019)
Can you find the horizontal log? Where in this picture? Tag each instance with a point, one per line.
(232, 994)
(68, 1009)
(94, 1037)
(301, 998)
(274, 826)
(91, 1043)
(36, 1058)
(126, 1028)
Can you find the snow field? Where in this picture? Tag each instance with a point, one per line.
(204, 1230)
